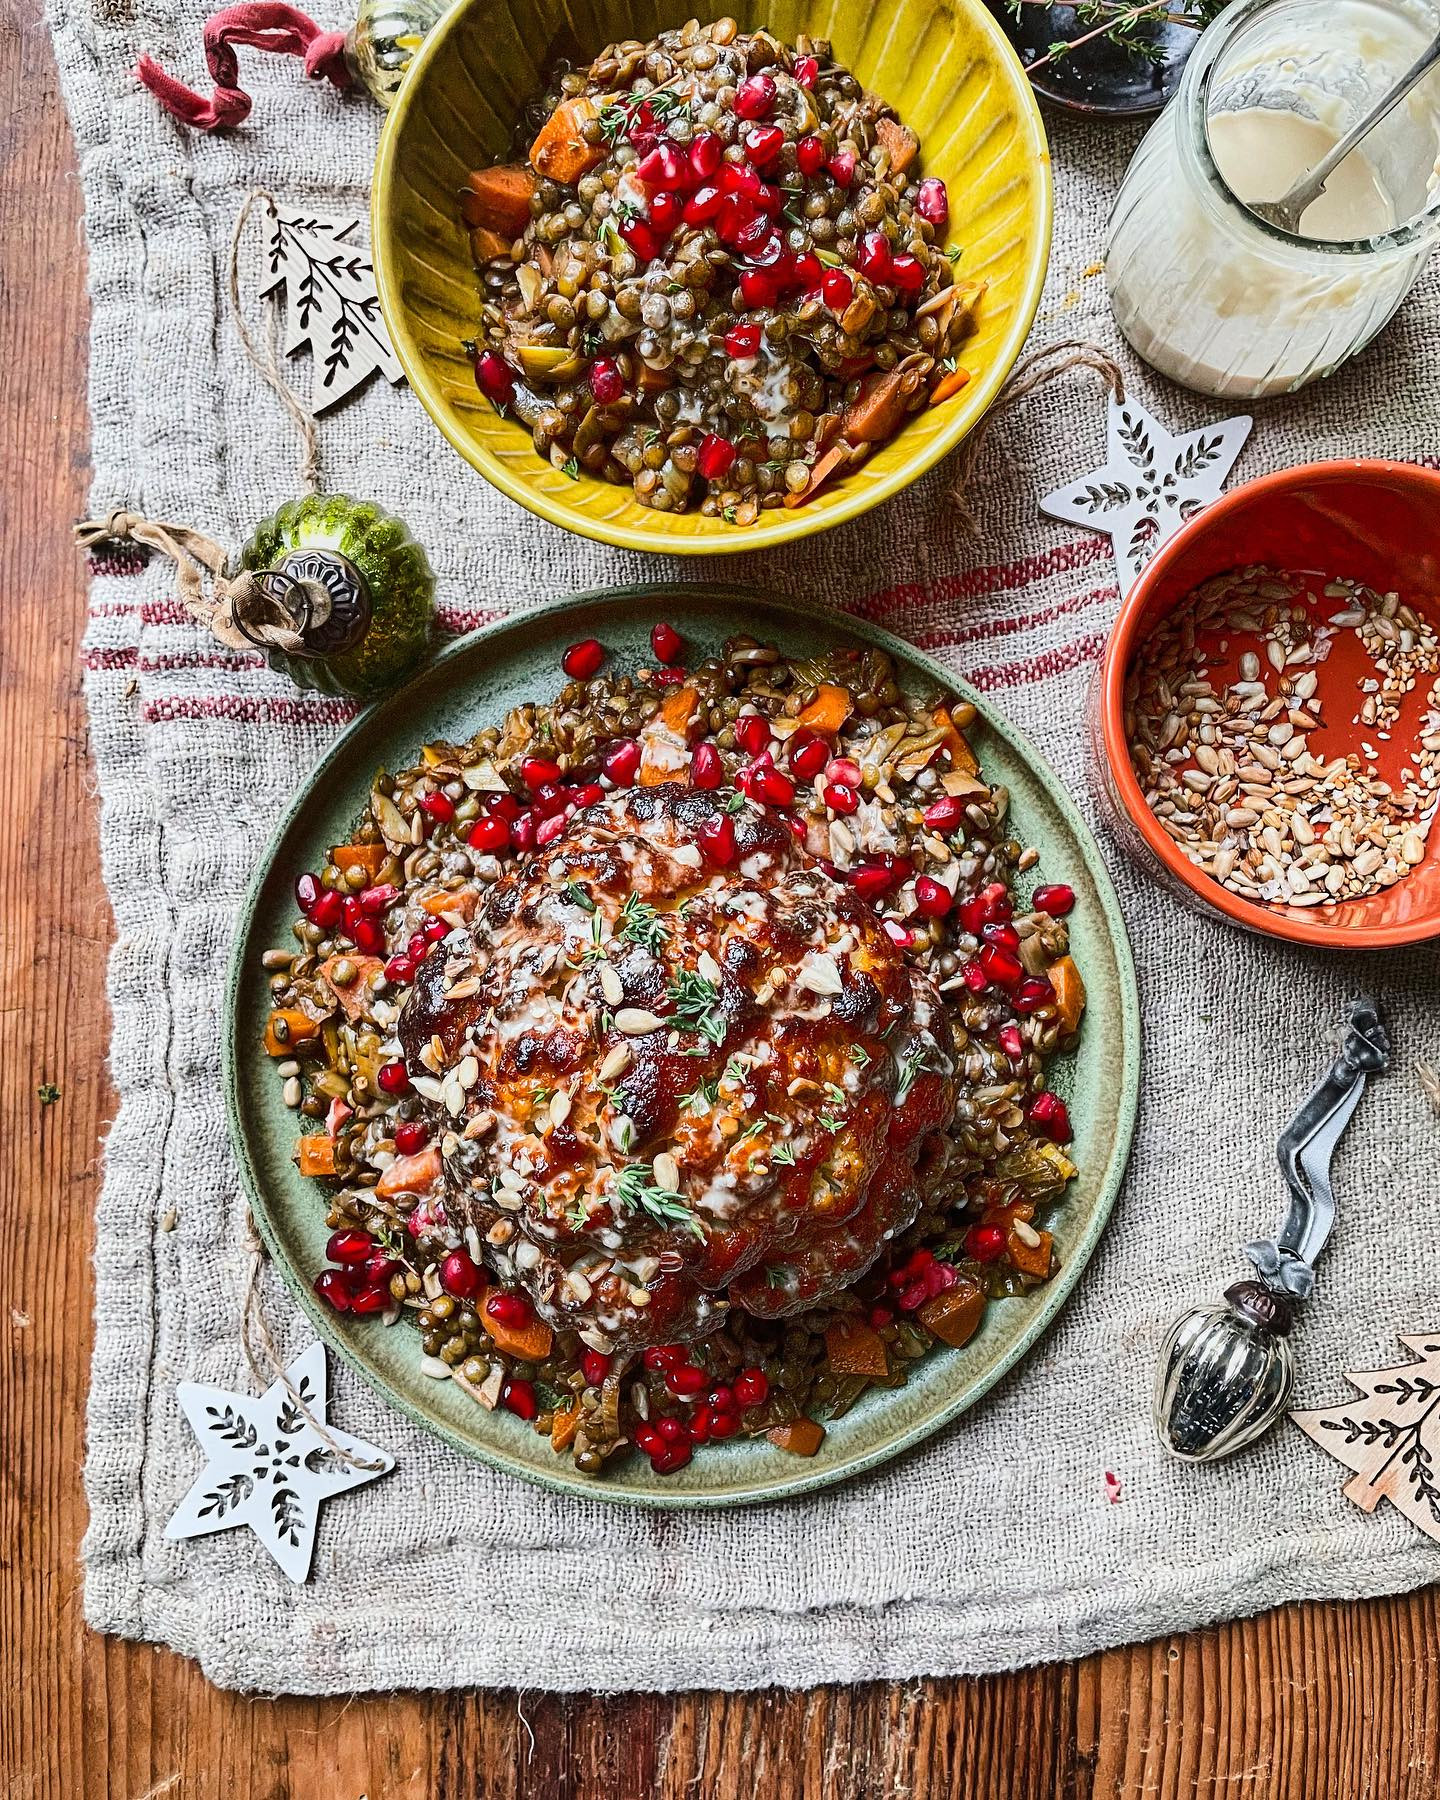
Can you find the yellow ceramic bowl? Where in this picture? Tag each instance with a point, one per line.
(943, 64)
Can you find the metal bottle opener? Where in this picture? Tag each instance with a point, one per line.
(1227, 1371)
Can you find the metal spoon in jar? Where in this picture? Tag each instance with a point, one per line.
(1287, 212)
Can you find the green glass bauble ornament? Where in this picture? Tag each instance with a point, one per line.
(349, 580)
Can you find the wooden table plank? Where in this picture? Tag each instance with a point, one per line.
(1306, 1702)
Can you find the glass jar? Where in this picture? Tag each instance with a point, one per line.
(1206, 291)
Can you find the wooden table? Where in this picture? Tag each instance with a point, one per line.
(1311, 1701)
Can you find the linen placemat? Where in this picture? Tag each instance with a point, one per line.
(995, 1544)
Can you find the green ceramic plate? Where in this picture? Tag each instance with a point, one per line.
(473, 683)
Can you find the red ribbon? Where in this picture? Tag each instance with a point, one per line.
(264, 25)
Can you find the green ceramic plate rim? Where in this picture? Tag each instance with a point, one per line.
(805, 1480)
(793, 525)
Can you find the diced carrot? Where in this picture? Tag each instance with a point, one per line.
(954, 1316)
(824, 467)
(828, 711)
(560, 152)
(463, 901)
(486, 245)
(528, 1343)
(299, 1029)
(678, 707)
(415, 1174)
(962, 757)
(653, 381)
(1069, 993)
(564, 1424)
(948, 385)
(1032, 1259)
(499, 199)
(854, 1349)
(316, 1155)
(801, 1437)
(874, 416)
(369, 857)
(900, 141)
(352, 994)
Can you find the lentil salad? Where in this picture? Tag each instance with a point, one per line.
(886, 795)
(714, 273)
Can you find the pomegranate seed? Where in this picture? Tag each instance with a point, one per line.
(1004, 935)
(1057, 899)
(489, 835)
(350, 911)
(664, 167)
(700, 1423)
(899, 935)
(461, 1276)
(439, 807)
(522, 831)
(752, 1387)
(912, 1297)
(807, 71)
(985, 1243)
(944, 814)
(932, 898)
(307, 888)
(504, 806)
(742, 341)
(1049, 1113)
(642, 238)
(706, 154)
(494, 377)
(724, 1425)
(607, 384)
(841, 768)
(933, 202)
(648, 1439)
(752, 733)
(673, 1457)
(706, 768)
(717, 840)
(349, 1246)
(722, 1398)
(549, 830)
(536, 771)
(1011, 1042)
(810, 155)
(943, 1278)
(585, 795)
(509, 1308)
(411, 1135)
(621, 762)
(333, 1288)
(594, 1366)
(377, 900)
(837, 290)
(1002, 966)
(715, 457)
(758, 287)
(703, 205)
(328, 910)
(519, 1398)
(807, 271)
(755, 97)
(666, 212)
(686, 1382)
(369, 936)
(842, 167)
(400, 970)
(874, 879)
(763, 144)
(370, 1299)
(664, 1356)
(990, 906)
(907, 274)
(759, 241)
(665, 642)
(1032, 994)
(740, 180)
(435, 930)
(841, 798)
(808, 756)
(584, 659)
(769, 785)
(673, 1430)
(418, 948)
(874, 260)
(392, 1079)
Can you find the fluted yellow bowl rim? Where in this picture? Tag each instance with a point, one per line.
(1021, 162)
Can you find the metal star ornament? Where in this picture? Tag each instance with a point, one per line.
(1150, 483)
(267, 1466)
(1391, 1436)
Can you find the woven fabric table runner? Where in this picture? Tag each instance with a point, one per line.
(995, 1544)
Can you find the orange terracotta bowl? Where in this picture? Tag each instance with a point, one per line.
(1368, 521)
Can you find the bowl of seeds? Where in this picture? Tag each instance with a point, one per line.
(1267, 716)
(708, 285)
